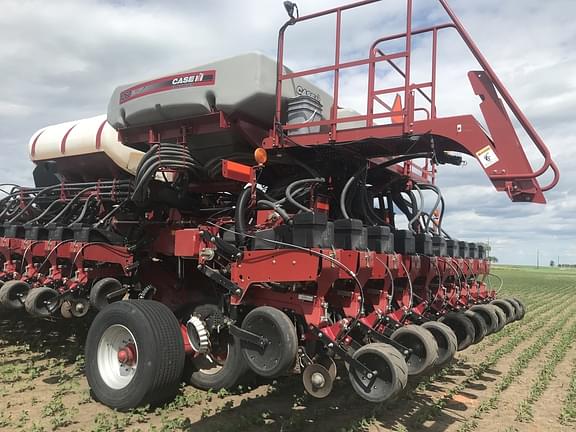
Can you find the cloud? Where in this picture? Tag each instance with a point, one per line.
(61, 60)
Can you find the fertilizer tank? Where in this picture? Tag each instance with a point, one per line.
(86, 149)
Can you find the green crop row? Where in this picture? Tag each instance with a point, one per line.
(518, 368)
(430, 411)
(568, 414)
(542, 380)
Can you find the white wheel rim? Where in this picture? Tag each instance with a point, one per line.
(115, 374)
(207, 364)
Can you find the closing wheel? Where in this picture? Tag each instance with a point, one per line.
(223, 365)
(318, 381)
(480, 326)
(462, 327)
(42, 302)
(489, 316)
(518, 312)
(446, 340)
(424, 349)
(13, 294)
(280, 352)
(329, 364)
(134, 354)
(391, 372)
(501, 316)
(105, 291)
(507, 308)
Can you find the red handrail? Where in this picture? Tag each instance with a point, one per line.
(377, 56)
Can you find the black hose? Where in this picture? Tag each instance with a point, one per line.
(400, 159)
(45, 212)
(290, 197)
(345, 189)
(148, 175)
(276, 207)
(84, 210)
(70, 203)
(239, 215)
(43, 191)
(146, 156)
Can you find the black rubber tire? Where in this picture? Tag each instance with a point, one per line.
(507, 308)
(480, 325)
(280, 331)
(13, 294)
(101, 289)
(489, 316)
(232, 370)
(518, 311)
(161, 354)
(522, 306)
(392, 371)
(446, 340)
(462, 326)
(501, 317)
(42, 302)
(423, 344)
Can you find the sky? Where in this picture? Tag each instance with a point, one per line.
(61, 60)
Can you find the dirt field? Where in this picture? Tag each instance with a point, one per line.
(521, 379)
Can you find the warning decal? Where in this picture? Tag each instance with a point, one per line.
(487, 157)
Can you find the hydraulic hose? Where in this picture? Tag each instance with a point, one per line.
(418, 210)
(239, 215)
(276, 207)
(345, 190)
(439, 200)
(70, 203)
(291, 186)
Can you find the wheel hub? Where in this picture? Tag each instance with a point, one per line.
(317, 380)
(127, 355)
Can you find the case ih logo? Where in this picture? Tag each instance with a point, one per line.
(305, 92)
(172, 82)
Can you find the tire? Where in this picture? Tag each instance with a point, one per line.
(522, 306)
(42, 302)
(521, 303)
(501, 317)
(446, 340)
(392, 372)
(212, 371)
(489, 316)
(423, 344)
(480, 326)
(462, 326)
(13, 294)
(151, 333)
(507, 308)
(102, 289)
(518, 311)
(280, 353)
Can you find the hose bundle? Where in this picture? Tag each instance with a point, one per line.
(161, 157)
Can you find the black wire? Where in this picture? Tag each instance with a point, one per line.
(313, 252)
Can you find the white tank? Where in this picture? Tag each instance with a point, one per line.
(244, 85)
(91, 136)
